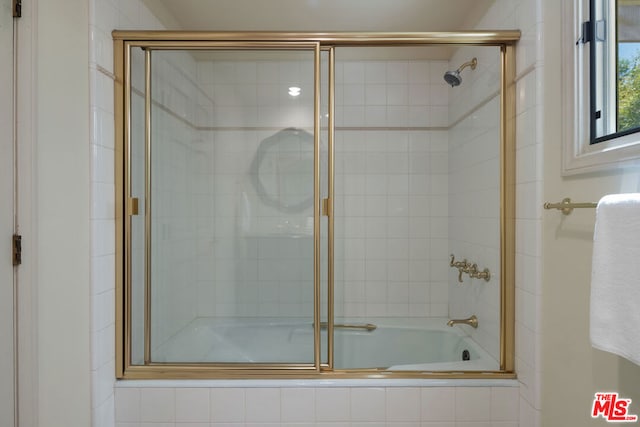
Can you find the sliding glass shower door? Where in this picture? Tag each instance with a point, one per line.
(287, 205)
(225, 192)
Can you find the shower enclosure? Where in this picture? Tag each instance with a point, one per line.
(292, 204)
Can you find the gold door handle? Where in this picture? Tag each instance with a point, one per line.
(132, 206)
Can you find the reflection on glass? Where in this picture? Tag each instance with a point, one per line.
(280, 170)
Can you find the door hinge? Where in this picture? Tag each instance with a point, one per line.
(17, 249)
(17, 8)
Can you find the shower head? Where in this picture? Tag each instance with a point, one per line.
(453, 77)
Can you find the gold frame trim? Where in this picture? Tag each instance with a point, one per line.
(159, 40)
(147, 205)
(508, 208)
(121, 89)
(330, 213)
(484, 37)
(317, 212)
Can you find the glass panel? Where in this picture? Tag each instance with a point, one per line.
(324, 222)
(137, 189)
(232, 206)
(603, 70)
(628, 65)
(417, 178)
(615, 68)
(465, 205)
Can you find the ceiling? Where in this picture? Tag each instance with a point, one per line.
(320, 15)
(323, 16)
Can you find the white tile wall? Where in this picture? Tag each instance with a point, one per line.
(228, 405)
(392, 406)
(106, 15)
(391, 187)
(192, 405)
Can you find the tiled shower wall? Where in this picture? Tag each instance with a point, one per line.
(391, 188)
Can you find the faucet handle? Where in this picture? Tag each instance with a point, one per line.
(484, 274)
(471, 269)
(462, 266)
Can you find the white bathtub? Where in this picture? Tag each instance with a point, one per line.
(396, 344)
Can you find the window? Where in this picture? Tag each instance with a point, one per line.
(601, 85)
(613, 33)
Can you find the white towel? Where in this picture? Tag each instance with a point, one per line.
(615, 277)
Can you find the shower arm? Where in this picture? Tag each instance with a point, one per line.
(471, 64)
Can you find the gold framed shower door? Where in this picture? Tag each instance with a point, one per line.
(150, 41)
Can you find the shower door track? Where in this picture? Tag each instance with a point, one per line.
(151, 41)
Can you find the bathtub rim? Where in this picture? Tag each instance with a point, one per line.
(238, 373)
(317, 383)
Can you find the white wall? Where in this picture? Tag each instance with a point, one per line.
(572, 371)
(61, 217)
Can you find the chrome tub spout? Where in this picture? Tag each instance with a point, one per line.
(471, 321)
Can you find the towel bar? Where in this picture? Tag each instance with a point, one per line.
(567, 206)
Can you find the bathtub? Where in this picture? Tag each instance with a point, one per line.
(396, 344)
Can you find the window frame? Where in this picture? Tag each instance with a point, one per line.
(582, 153)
